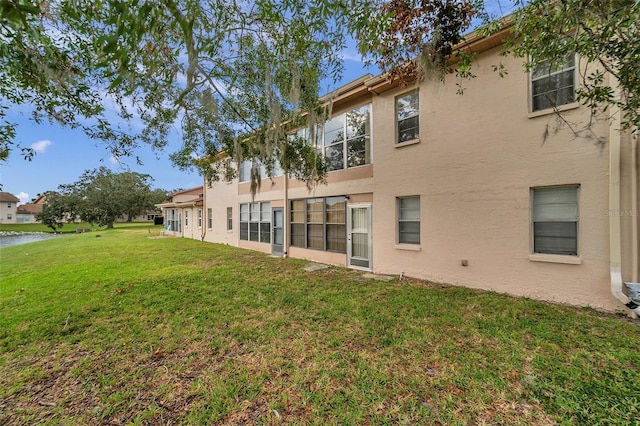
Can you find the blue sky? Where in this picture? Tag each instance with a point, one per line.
(63, 154)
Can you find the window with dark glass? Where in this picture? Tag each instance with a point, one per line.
(229, 218)
(298, 234)
(315, 223)
(265, 222)
(553, 85)
(319, 223)
(408, 117)
(244, 222)
(255, 222)
(336, 219)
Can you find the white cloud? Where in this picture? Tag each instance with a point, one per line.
(41, 146)
(114, 160)
(24, 197)
(351, 55)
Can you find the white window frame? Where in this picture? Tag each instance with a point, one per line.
(563, 68)
(416, 114)
(322, 147)
(535, 220)
(209, 218)
(229, 218)
(255, 214)
(346, 139)
(325, 224)
(400, 220)
(186, 218)
(199, 218)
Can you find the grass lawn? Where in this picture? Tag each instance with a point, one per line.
(127, 329)
(70, 228)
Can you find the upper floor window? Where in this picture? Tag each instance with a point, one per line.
(553, 84)
(347, 139)
(555, 220)
(407, 117)
(9, 205)
(245, 168)
(244, 171)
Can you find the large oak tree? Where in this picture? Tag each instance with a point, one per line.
(231, 77)
(100, 197)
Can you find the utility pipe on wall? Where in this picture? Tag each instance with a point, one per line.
(285, 219)
(615, 228)
(635, 213)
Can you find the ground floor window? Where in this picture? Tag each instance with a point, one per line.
(199, 218)
(555, 220)
(409, 220)
(229, 218)
(319, 223)
(255, 222)
(209, 218)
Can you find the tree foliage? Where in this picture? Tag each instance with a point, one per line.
(603, 33)
(411, 39)
(226, 74)
(232, 78)
(59, 208)
(421, 36)
(100, 197)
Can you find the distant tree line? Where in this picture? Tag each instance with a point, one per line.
(100, 197)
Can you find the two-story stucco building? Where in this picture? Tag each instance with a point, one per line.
(487, 190)
(8, 207)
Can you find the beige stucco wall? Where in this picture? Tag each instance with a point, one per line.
(190, 228)
(6, 210)
(478, 156)
(218, 197)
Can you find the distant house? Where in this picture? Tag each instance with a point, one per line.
(183, 213)
(26, 213)
(8, 207)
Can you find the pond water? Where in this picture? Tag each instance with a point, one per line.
(15, 238)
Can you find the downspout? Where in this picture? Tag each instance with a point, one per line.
(285, 219)
(205, 221)
(635, 213)
(615, 229)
